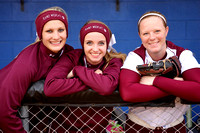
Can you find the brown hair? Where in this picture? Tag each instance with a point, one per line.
(146, 16)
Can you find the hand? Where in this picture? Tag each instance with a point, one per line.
(147, 80)
(70, 74)
(179, 78)
(98, 71)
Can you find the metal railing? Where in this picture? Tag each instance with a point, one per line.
(61, 114)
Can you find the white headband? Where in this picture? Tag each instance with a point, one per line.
(151, 14)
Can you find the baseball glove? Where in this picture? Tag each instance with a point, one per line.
(168, 68)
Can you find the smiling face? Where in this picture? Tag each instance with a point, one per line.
(153, 34)
(54, 35)
(95, 47)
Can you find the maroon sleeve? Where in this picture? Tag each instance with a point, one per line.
(68, 48)
(188, 89)
(104, 83)
(57, 84)
(132, 91)
(13, 87)
(16, 78)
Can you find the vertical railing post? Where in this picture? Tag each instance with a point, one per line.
(24, 114)
(189, 117)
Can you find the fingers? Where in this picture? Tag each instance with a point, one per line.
(98, 71)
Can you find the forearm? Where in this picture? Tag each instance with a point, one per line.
(103, 82)
(188, 89)
(132, 91)
(104, 85)
(62, 87)
(57, 84)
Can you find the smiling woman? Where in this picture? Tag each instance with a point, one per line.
(31, 65)
(134, 87)
(91, 67)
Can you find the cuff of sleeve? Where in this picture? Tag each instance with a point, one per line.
(76, 69)
(156, 80)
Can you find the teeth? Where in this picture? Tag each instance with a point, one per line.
(95, 54)
(55, 42)
(154, 43)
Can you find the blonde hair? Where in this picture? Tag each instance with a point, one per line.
(54, 8)
(111, 54)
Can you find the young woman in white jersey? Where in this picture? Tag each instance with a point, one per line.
(153, 30)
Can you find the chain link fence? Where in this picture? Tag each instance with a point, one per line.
(45, 119)
(72, 113)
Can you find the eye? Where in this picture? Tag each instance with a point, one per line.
(157, 31)
(60, 30)
(144, 34)
(49, 31)
(101, 43)
(89, 42)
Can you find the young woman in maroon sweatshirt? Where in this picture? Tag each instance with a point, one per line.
(31, 65)
(153, 30)
(91, 67)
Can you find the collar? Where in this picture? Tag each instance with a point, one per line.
(169, 53)
(88, 65)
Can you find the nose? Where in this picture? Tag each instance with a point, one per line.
(56, 35)
(152, 36)
(95, 47)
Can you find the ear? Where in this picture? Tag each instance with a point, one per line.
(167, 30)
(139, 33)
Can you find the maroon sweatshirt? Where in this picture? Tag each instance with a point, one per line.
(32, 64)
(57, 85)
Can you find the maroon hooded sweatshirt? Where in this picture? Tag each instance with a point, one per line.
(31, 65)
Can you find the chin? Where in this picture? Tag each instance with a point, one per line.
(95, 62)
(55, 50)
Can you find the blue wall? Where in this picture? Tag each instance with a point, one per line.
(17, 28)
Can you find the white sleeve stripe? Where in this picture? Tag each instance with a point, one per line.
(132, 60)
(188, 61)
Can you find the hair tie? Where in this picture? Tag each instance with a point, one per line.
(152, 14)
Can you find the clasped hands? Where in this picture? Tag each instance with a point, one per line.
(71, 75)
(148, 80)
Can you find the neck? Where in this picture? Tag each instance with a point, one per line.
(158, 56)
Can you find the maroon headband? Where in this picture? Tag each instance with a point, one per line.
(94, 27)
(44, 17)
